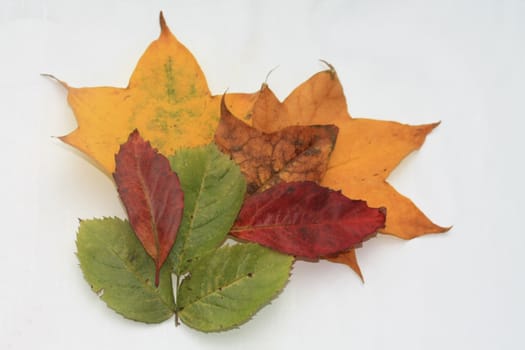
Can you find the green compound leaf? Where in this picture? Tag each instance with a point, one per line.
(227, 287)
(213, 194)
(118, 268)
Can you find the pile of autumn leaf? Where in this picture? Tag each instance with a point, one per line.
(191, 169)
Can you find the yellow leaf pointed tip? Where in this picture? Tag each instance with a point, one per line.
(64, 138)
(52, 77)
(164, 29)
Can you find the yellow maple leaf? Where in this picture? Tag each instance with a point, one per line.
(167, 100)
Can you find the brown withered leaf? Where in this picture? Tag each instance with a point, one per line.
(297, 153)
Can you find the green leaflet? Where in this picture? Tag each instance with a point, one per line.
(213, 194)
(117, 266)
(227, 287)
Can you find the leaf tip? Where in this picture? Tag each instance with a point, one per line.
(164, 29)
(268, 75)
(434, 125)
(331, 68)
(52, 77)
(134, 134)
(64, 138)
(358, 272)
(426, 129)
(445, 229)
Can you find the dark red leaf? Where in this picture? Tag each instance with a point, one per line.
(306, 220)
(152, 196)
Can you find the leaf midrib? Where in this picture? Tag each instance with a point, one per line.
(147, 195)
(264, 227)
(226, 286)
(192, 220)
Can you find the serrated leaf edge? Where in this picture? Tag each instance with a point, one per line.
(212, 149)
(180, 257)
(98, 292)
(270, 300)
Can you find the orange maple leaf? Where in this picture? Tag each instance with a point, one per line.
(365, 153)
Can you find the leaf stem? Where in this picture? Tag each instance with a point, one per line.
(177, 284)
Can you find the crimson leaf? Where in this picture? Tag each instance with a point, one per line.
(152, 196)
(306, 220)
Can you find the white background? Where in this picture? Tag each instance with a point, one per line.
(461, 62)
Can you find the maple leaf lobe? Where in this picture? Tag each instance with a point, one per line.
(166, 98)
